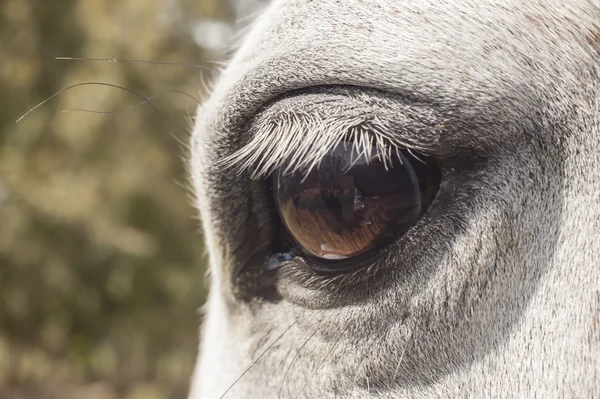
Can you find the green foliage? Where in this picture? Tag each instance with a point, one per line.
(101, 262)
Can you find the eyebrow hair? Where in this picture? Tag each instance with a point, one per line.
(297, 131)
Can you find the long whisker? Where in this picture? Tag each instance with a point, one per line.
(107, 85)
(258, 358)
(321, 363)
(403, 353)
(115, 60)
(292, 362)
(91, 111)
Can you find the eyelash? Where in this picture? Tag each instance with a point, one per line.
(299, 144)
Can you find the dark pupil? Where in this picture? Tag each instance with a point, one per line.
(346, 206)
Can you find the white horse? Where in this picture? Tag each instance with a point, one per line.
(478, 277)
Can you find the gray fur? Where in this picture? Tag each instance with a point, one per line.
(495, 292)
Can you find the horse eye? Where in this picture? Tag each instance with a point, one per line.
(350, 205)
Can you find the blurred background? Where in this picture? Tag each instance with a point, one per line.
(101, 259)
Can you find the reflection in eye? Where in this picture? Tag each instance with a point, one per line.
(351, 204)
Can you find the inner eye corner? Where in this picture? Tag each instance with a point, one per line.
(348, 207)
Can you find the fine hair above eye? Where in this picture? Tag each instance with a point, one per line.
(298, 130)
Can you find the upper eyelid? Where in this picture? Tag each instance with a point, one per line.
(298, 129)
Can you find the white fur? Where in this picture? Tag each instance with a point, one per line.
(497, 293)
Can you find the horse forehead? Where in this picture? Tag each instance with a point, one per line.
(458, 48)
(401, 27)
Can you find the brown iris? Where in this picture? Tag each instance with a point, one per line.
(348, 206)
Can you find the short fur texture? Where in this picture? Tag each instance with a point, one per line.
(495, 291)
